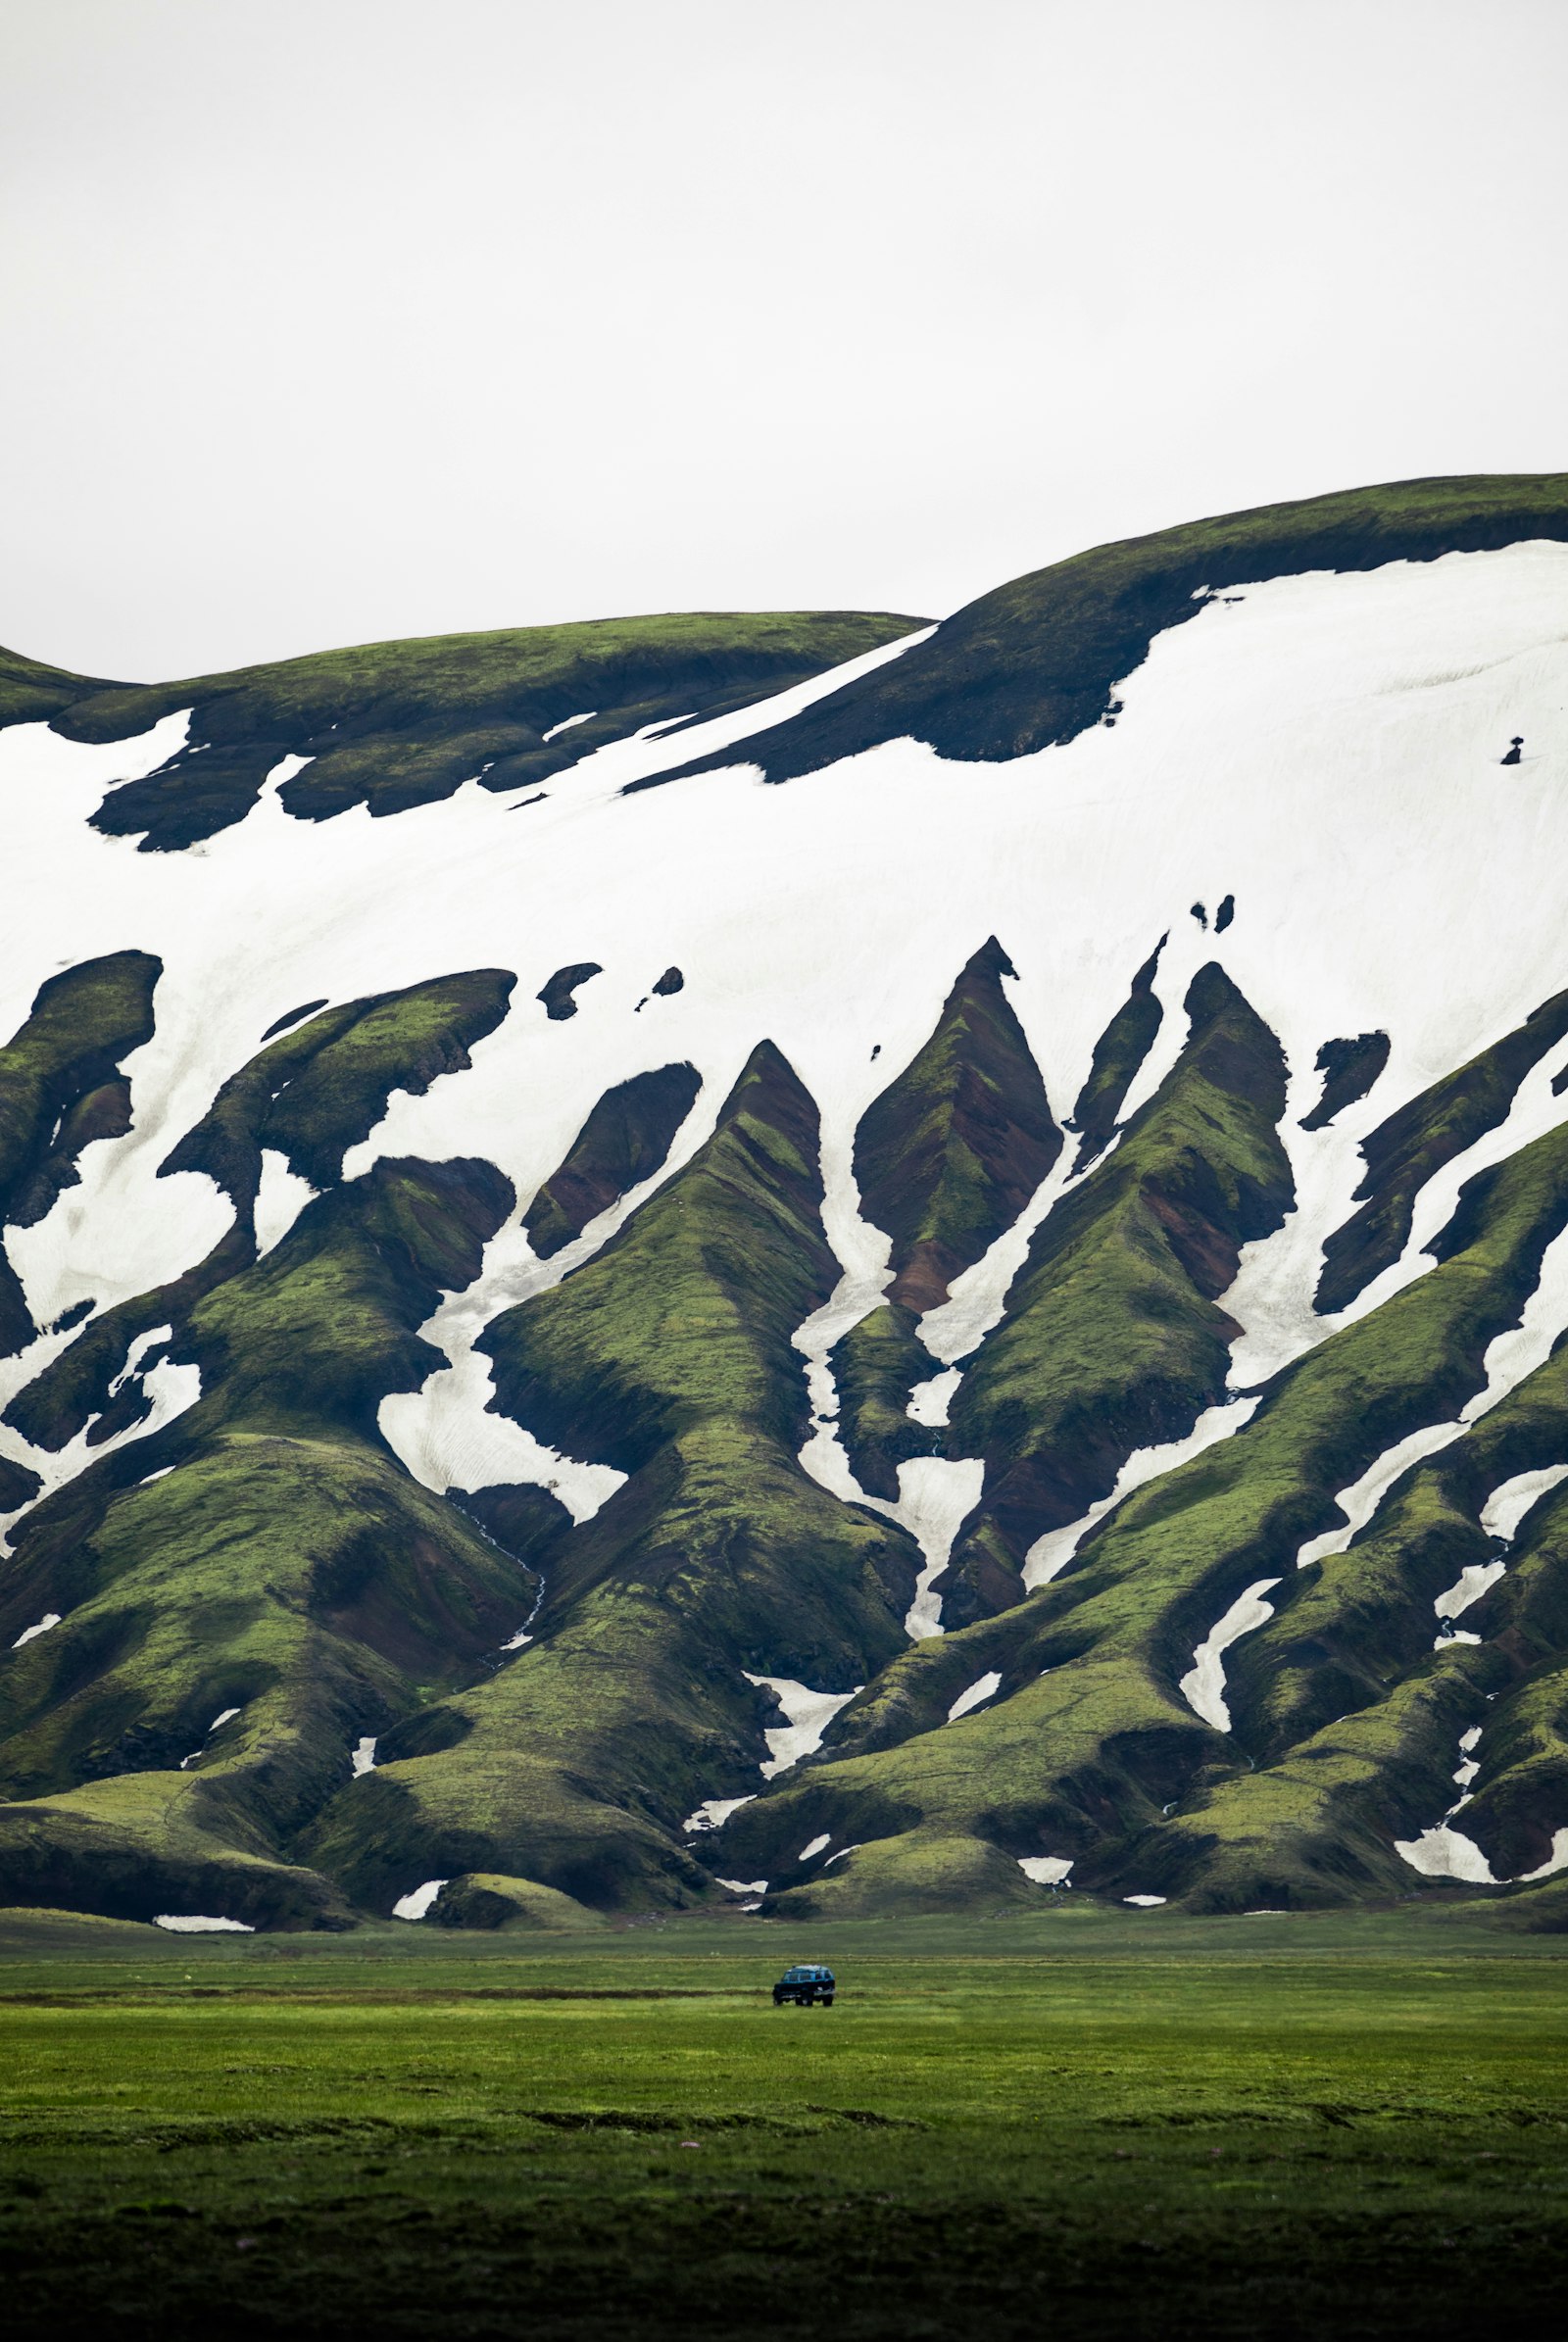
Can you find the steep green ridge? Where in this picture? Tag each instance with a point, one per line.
(945, 1159)
(1403, 1153)
(402, 723)
(623, 1142)
(61, 1087)
(1112, 1340)
(31, 691)
(668, 1354)
(310, 1096)
(279, 1562)
(1088, 1738)
(1037, 662)
(1118, 1054)
(953, 1150)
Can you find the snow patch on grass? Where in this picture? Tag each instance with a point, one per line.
(1505, 1508)
(419, 1901)
(714, 1813)
(194, 1925)
(1050, 1554)
(50, 1618)
(983, 1688)
(808, 1714)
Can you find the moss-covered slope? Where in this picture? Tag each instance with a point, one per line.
(670, 1357)
(308, 1096)
(1403, 1153)
(262, 1554)
(402, 723)
(1088, 1751)
(1113, 1338)
(1038, 660)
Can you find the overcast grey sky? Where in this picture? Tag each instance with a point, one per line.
(331, 319)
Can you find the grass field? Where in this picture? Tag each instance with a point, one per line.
(1074, 2123)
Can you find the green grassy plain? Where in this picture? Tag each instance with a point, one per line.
(1071, 2123)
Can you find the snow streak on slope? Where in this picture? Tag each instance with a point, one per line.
(1050, 1554)
(1204, 1688)
(1505, 1508)
(807, 1715)
(936, 1495)
(1509, 1358)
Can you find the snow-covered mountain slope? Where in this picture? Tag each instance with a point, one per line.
(547, 1298)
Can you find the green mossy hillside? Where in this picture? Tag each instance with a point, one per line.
(952, 1150)
(31, 691)
(668, 1354)
(1403, 1152)
(310, 1096)
(688, 1313)
(264, 1553)
(61, 1087)
(1113, 1338)
(1038, 660)
(1089, 1750)
(397, 724)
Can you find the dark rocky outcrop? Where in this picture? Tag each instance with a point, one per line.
(623, 1142)
(1349, 1068)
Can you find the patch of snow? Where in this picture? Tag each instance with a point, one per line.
(983, 1688)
(1143, 1902)
(162, 1472)
(1271, 1296)
(172, 1389)
(929, 1401)
(362, 1757)
(1509, 1502)
(1046, 1870)
(419, 1901)
(1509, 1357)
(714, 1813)
(202, 1926)
(977, 1297)
(566, 725)
(817, 1846)
(280, 1197)
(808, 1714)
(1445, 1853)
(50, 1618)
(223, 1717)
(840, 1855)
(1204, 1688)
(1050, 1554)
(743, 1886)
(1556, 1859)
(1469, 1586)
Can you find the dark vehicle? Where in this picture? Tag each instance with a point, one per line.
(808, 1988)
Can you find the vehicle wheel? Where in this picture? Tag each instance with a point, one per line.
(827, 2000)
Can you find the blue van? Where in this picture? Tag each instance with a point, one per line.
(806, 1987)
